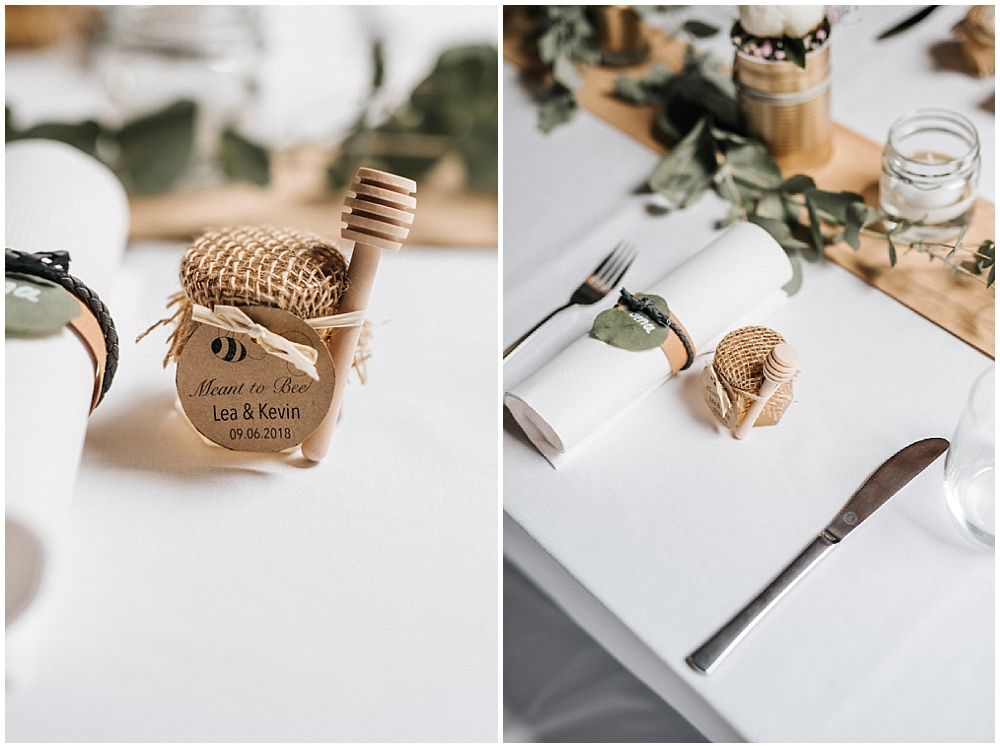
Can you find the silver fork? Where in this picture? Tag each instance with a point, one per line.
(597, 285)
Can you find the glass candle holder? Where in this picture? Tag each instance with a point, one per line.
(930, 175)
(151, 56)
(970, 468)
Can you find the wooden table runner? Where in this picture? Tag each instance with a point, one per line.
(960, 304)
(448, 215)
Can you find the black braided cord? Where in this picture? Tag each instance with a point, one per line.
(54, 266)
(648, 307)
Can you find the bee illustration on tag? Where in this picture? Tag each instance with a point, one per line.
(229, 349)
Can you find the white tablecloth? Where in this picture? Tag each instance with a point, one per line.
(667, 526)
(206, 595)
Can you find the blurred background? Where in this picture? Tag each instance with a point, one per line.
(216, 115)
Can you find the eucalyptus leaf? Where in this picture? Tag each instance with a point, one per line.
(629, 89)
(632, 331)
(985, 256)
(565, 73)
(854, 218)
(378, 66)
(892, 250)
(700, 29)
(701, 88)
(645, 90)
(558, 108)
(548, 45)
(795, 50)
(686, 171)
(793, 209)
(244, 160)
(753, 171)
(792, 287)
(453, 110)
(155, 150)
(35, 306)
(727, 136)
(715, 72)
(819, 241)
(781, 233)
(798, 183)
(770, 205)
(732, 215)
(833, 203)
(83, 135)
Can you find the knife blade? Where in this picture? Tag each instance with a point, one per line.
(881, 485)
(902, 26)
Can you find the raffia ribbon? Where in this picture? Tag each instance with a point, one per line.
(302, 357)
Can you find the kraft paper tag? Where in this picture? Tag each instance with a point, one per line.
(34, 306)
(241, 397)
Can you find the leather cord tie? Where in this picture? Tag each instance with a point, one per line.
(54, 267)
(647, 307)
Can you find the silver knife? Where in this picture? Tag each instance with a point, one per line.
(893, 474)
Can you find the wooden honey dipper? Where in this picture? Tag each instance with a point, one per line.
(779, 367)
(378, 220)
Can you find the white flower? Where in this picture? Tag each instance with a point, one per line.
(781, 20)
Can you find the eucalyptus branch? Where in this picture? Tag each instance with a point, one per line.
(698, 109)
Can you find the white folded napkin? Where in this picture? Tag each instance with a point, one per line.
(568, 403)
(57, 198)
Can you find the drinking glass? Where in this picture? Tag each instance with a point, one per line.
(970, 468)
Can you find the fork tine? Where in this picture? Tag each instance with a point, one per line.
(608, 269)
(624, 254)
(606, 260)
(632, 252)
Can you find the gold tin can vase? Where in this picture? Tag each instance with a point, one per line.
(788, 107)
(619, 35)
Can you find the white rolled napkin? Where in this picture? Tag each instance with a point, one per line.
(570, 401)
(57, 198)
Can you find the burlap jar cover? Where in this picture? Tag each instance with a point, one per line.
(730, 383)
(287, 269)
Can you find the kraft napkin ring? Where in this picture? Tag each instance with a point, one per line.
(94, 324)
(643, 321)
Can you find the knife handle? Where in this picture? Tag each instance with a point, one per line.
(709, 654)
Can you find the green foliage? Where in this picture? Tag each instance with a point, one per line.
(558, 108)
(150, 153)
(700, 29)
(686, 171)
(35, 307)
(985, 260)
(702, 87)
(454, 109)
(795, 50)
(243, 160)
(619, 328)
(564, 35)
(83, 135)
(713, 151)
(153, 151)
